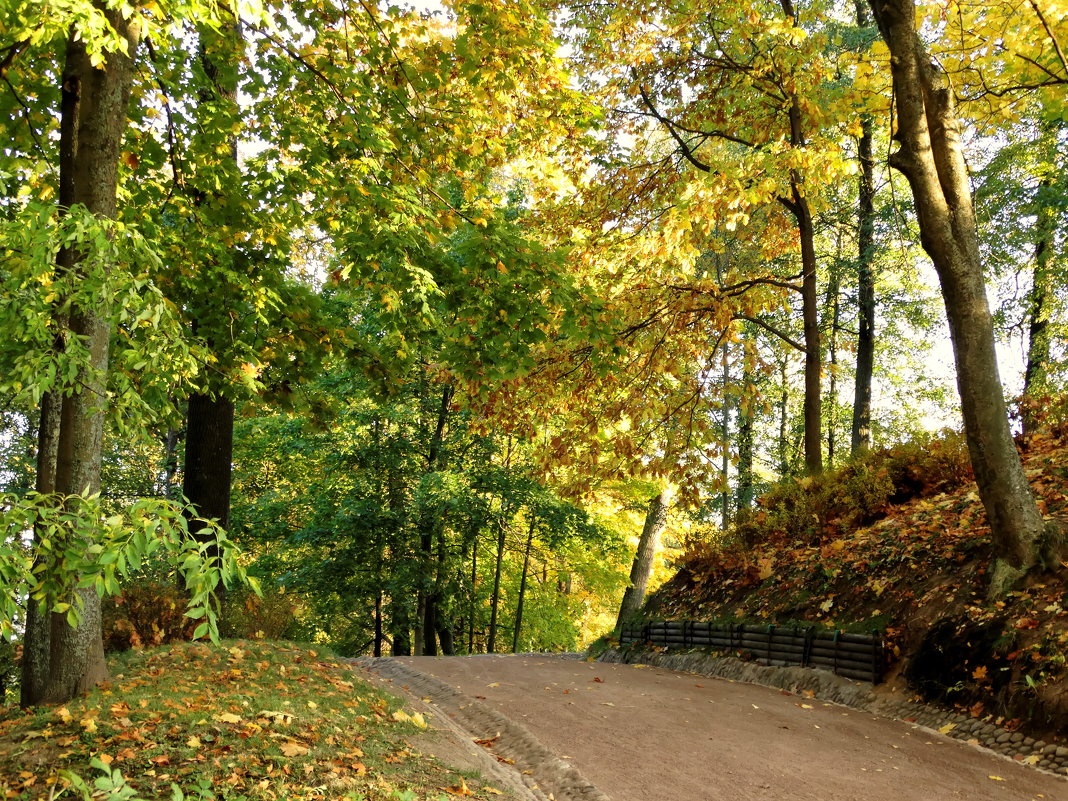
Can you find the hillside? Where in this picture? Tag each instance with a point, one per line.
(898, 543)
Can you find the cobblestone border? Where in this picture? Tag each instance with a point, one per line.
(1052, 757)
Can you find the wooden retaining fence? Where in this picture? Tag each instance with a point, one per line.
(854, 656)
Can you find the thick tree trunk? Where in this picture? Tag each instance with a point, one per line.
(931, 158)
(36, 641)
(860, 434)
(209, 448)
(209, 440)
(93, 120)
(642, 566)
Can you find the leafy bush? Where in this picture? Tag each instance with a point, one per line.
(250, 616)
(148, 613)
(813, 510)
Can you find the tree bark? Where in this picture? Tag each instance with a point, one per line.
(642, 566)
(209, 441)
(93, 120)
(1040, 299)
(860, 433)
(522, 586)
(834, 286)
(36, 641)
(495, 599)
(930, 156)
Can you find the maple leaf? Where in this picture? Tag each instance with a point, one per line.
(979, 674)
(459, 789)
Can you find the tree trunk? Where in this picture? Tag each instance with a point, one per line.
(784, 420)
(496, 597)
(860, 433)
(209, 440)
(1040, 298)
(725, 456)
(36, 641)
(834, 286)
(522, 587)
(209, 447)
(93, 120)
(931, 158)
(810, 315)
(642, 566)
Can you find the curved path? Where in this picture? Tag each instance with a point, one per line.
(641, 733)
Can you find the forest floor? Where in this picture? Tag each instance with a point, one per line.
(592, 731)
(248, 721)
(918, 574)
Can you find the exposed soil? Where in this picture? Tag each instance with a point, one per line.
(634, 732)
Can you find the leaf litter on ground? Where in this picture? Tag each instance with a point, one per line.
(248, 721)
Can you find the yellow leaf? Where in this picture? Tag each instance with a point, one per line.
(291, 748)
(63, 714)
(418, 720)
(401, 716)
(88, 724)
(193, 742)
(996, 778)
(460, 789)
(947, 728)
(228, 717)
(312, 705)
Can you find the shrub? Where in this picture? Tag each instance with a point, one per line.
(149, 613)
(247, 615)
(812, 510)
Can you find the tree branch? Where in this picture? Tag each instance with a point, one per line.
(773, 330)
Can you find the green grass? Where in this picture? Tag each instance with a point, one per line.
(245, 721)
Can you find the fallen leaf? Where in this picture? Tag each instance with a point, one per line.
(494, 684)
(459, 789)
(979, 674)
(947, 728)
(228, 717)
(996, 778)
(418, 720)
(89, 724)
(193, 742)
(292, 748)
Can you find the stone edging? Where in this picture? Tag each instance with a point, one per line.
(547, 775)
(1052, 758)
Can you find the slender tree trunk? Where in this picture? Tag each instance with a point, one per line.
(725, 456)
(810, 315)
(642, 566)
(94, 109)
(1040, 301)
(473, 603)
(523, 587)
(744, 496)
(930, 156)
(860, 433)
(784, 420)
(377, 648)
(496, 597)
(834, 303)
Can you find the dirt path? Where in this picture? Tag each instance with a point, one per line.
(644, 734)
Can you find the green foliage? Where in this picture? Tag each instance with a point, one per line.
(76, 545)
(811, 510)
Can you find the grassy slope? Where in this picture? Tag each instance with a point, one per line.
(919, 574)
(249, 720)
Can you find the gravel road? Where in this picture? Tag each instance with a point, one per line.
(639, 733)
